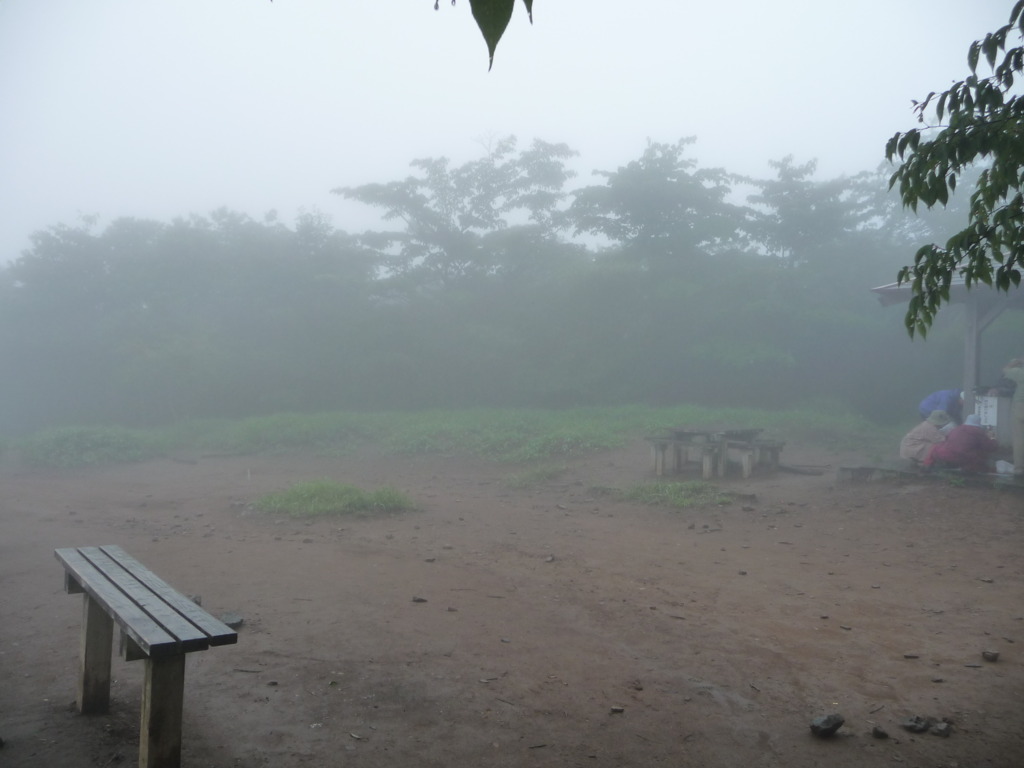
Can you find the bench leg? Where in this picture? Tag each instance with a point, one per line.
(748, 463)
(95, 650)
(707, 461)
(658, 458)
(162, 701)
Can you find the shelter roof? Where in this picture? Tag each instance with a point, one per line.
(894, 293)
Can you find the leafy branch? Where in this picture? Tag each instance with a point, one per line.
(984, 123)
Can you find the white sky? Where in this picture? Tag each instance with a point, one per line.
(161, 108)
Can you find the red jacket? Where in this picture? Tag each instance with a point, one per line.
(965, 446)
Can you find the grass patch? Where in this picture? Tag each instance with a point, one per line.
(70, 447)
(689, 493)
(533, 477)
(323, 497)
(521, 435)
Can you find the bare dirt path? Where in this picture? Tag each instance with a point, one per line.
(557, 626)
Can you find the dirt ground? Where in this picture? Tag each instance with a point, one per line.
(553, 625)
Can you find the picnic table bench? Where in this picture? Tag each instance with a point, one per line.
(157, 624)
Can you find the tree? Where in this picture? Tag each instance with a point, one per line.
(449, 212)
(492, 16)
(800, 220)
(983, 123)
(661, 209)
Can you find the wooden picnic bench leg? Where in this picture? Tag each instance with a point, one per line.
(162, 701)
(748, 462)
(658, 457)
(95, 650)
(708, 455)
(678, 454)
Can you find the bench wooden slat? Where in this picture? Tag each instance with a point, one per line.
(216, 631)
(188, 636)
(149, 635)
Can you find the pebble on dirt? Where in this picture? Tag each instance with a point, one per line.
(826, 725)
(917, 724)
(942, 729)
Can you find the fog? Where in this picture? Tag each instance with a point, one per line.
(542, 234)
(120, 108)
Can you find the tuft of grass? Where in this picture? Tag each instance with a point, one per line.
(689, 493)
(324, 497)
(534, 477)
(69, 447)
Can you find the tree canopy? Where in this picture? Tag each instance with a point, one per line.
(491, 282)
(978, 120)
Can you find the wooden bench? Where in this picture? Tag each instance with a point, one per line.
(157, 624)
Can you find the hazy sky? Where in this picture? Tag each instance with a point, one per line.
(161, 108)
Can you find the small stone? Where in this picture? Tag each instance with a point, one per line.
(233, 620)
(617, 710)
(879, 732)
(942, 729)
(917, 724)
(911, 656)
(826, 725)
(990, 655)
(419, 599)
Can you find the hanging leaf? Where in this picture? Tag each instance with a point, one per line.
(492, 17)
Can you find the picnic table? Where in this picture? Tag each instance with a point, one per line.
(710, 449)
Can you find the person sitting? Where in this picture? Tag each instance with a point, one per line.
(949, 400)
(967, 447)
(918, 441)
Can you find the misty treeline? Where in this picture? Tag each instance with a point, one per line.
(500, 282)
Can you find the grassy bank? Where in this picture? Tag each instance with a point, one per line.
(509, 435)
